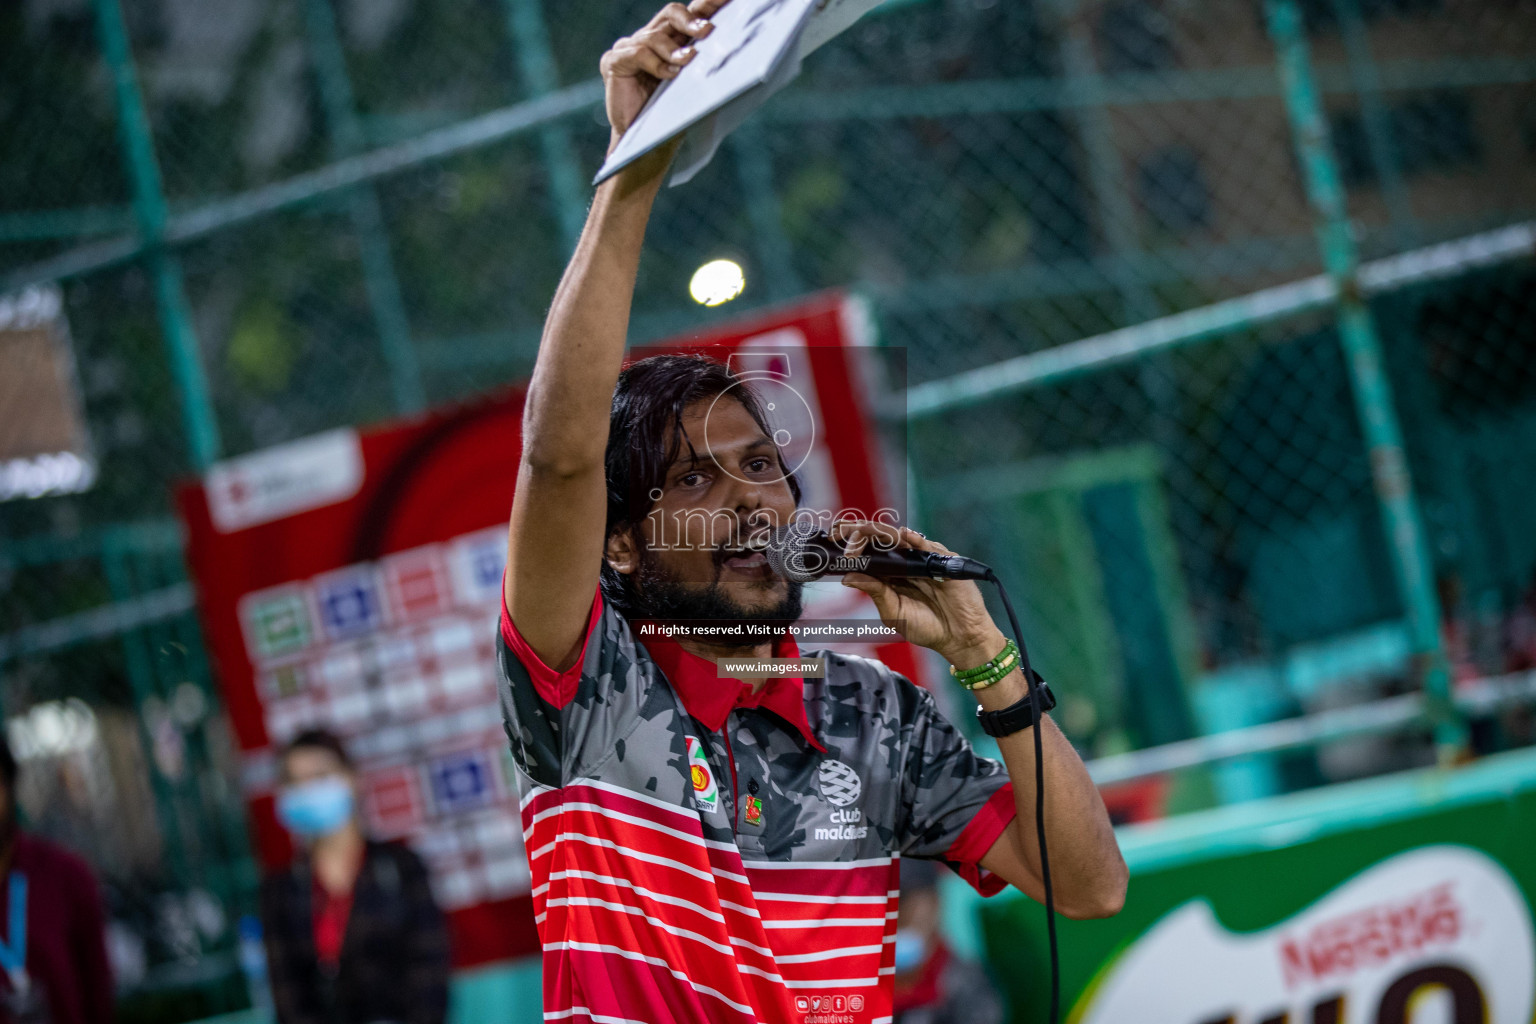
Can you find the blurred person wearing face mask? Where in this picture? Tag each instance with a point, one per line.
(352, 932)
(933, 985)
(52, 945)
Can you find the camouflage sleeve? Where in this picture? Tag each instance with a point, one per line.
(563, 724)
(955, 804)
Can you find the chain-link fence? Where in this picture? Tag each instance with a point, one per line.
(1159, 375)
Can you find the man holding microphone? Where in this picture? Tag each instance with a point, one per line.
(702, 848)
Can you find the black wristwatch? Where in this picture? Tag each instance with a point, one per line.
(1016, 716)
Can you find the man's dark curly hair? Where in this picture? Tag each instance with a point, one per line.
(645, 436)
(321, 739)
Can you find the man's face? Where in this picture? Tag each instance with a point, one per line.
(693, 563)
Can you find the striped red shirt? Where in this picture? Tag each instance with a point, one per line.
(704, 852)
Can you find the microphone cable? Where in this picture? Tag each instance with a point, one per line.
(1039, 727)
(787, 552)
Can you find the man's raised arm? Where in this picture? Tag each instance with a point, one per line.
(559, 508)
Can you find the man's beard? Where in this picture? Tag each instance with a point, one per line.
(666, 598)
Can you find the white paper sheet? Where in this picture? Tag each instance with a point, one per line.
(750, 41)
(754, 51)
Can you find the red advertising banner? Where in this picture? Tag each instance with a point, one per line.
(352, 580)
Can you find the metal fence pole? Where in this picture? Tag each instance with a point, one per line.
(138, 658)
(1376, 121)
(530, 38)
(379, 276)
(754, 169)
(1105, 167)
(149, 211)
(1116, 207)
(1368, 379)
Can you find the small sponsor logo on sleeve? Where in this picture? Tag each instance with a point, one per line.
(705, 793)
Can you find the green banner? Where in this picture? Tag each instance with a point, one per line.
(1402, 900)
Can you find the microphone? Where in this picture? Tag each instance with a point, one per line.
(801, 555)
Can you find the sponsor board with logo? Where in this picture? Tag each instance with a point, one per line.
(397, 657)
(285, 480)
(1404, 900)
(1440, 923)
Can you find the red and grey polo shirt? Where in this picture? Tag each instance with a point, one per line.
(701, 852)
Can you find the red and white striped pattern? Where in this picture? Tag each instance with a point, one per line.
(643, 919)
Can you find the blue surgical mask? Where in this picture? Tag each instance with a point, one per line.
(910, 950)
(315, 808)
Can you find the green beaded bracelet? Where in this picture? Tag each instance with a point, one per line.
(994, 671)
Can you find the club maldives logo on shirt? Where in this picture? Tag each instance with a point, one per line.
(705, 793)
(839, 783)
(840, 786)
(1442, 925)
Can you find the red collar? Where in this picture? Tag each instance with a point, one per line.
(710, 699)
